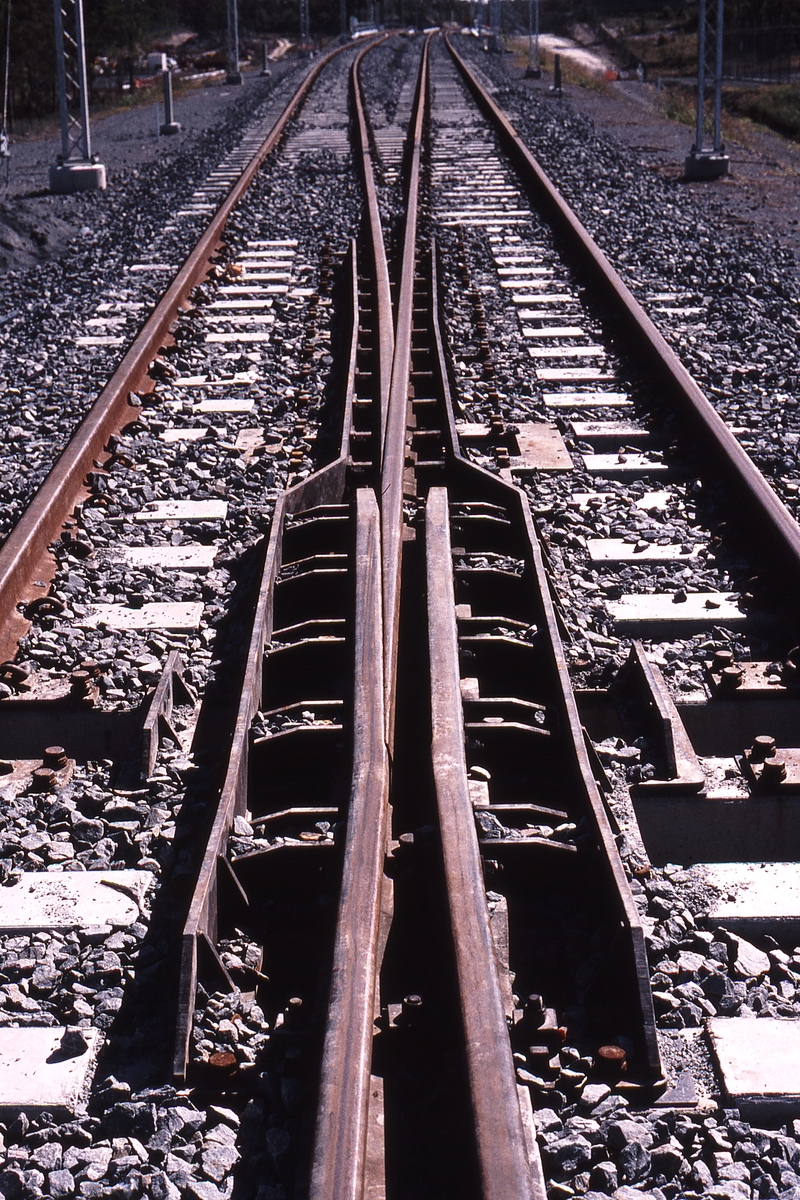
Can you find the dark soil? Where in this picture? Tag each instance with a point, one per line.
(36, 227)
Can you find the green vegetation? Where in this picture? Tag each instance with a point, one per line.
(679, 103)
(121, 31)
(776, 107)
(571, 72)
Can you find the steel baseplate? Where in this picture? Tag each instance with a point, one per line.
(705, 165)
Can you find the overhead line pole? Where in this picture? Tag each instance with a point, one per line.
(234, 76)
(708, 162)
(76, 168)
(533, 72)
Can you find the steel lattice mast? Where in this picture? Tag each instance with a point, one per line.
(708, 162)
(76, 169)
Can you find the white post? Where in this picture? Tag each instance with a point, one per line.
(170, 124)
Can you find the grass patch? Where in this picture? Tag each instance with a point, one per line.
(776, 107)
(571, 72)
(678, 102)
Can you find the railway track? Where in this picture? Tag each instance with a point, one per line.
(194, 413)
(474, 669)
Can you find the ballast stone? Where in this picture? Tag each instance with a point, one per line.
(594, 1093)
(747, 960)
(61, 1184)
(547, 1120)
(568, 1154)
(604, 1177)
(627, 1193)
(625, 1133)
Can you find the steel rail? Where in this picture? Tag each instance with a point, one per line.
(341, 1133)
(469, 474)
(339, 1156)
(339, 1159)
(26, 545)
(762, 502)
(392, 467)
(500, 1138)
(380, 265)
(202, 918)
(340, 1147)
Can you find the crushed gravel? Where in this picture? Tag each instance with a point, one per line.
(743, 343)
(140, 1138)
(593, 1138)
(49, 379)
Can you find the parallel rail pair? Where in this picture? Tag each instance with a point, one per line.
(333, 634)
(335, 626)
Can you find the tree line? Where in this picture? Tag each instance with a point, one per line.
(123, 30)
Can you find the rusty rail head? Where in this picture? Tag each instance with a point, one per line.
(449, 430)
(383, 292)
(513, 498)
(395, 446)
(341, 1134)
(350, 380)
(500, 1138)
(41, 522)
(322, 487)
(761, 501)
(201, 919)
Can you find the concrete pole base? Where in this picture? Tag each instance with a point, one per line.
(533, 73)
(66, 178)
(704, 165)
(266, 73)
(235, 79)
(170, 127)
